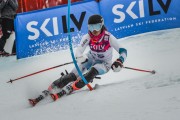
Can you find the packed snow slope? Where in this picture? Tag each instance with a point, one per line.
(127, 95)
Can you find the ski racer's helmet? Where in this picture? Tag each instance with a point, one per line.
(95, 22)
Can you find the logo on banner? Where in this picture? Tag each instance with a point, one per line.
(121, 11)
(35, 31)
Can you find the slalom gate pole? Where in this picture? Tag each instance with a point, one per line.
(10, 81)
(136, 69)
(71, 49)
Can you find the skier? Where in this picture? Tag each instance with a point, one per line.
(97, 61)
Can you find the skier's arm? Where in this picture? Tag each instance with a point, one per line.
(118, 64)
(83, 44)
(122, 51)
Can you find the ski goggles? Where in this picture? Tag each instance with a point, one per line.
(96, 27)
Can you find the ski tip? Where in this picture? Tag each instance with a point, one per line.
(32, 102)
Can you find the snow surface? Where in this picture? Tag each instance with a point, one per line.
(127, 95)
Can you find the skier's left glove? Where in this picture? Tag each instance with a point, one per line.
(117, 65)
(82, 59)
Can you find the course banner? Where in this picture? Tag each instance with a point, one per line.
(129, 17)
(45, 31)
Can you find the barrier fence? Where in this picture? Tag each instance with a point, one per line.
(44, 31)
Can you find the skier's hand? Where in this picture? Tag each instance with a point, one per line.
(117, 65)
(82, 59)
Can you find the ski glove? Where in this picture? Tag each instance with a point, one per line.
(82, 59)
(117, 66)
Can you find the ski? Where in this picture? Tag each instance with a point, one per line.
(55, 95)
(66, 91)
(58, 95)
(34, 101)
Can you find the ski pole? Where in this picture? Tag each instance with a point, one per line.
(10, 81)
(150, 71)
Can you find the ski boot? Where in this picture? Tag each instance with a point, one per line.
(64, 80)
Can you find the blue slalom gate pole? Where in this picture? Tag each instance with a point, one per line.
(71, 49)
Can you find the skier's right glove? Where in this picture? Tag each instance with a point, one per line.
(117, 65)
(82, 59)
